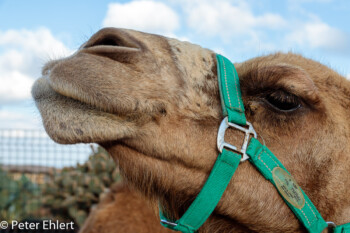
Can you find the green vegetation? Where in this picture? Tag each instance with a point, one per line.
(66, 195)
(18, 197)
(73, 190)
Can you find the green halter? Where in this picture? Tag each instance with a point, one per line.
(228, 160)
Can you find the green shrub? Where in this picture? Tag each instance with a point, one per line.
(70, 192)
(18, 198)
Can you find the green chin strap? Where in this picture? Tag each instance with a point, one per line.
(230, 157)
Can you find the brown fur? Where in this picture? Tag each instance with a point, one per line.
(154, 104)
(123, 210)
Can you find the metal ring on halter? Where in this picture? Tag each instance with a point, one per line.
(331, 226)
(221, 137)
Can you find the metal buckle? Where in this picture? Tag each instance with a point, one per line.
(221, 137)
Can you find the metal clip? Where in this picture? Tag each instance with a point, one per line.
(221, 137)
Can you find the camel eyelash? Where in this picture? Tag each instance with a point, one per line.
(282, 101)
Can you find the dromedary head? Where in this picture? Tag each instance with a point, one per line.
(154, 104)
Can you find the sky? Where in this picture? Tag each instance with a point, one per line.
(37, 31)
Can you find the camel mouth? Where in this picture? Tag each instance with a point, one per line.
(70, 121)
(107, 60)
(55, 82)
(44, 91)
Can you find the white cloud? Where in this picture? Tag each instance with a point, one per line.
(222, 18)
(319, 35)
(148, 16)
(22, 53)
(348, 76)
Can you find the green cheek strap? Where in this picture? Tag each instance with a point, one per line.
(273, 170)
(208, 198)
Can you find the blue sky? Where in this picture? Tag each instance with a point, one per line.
(33, 32)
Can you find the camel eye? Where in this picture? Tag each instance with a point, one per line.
(283, 101)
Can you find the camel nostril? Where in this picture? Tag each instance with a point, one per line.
(108, 41)
(111, 37)
(112, 43)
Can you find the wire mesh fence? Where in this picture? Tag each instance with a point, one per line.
(41, 180)
(35, 148)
